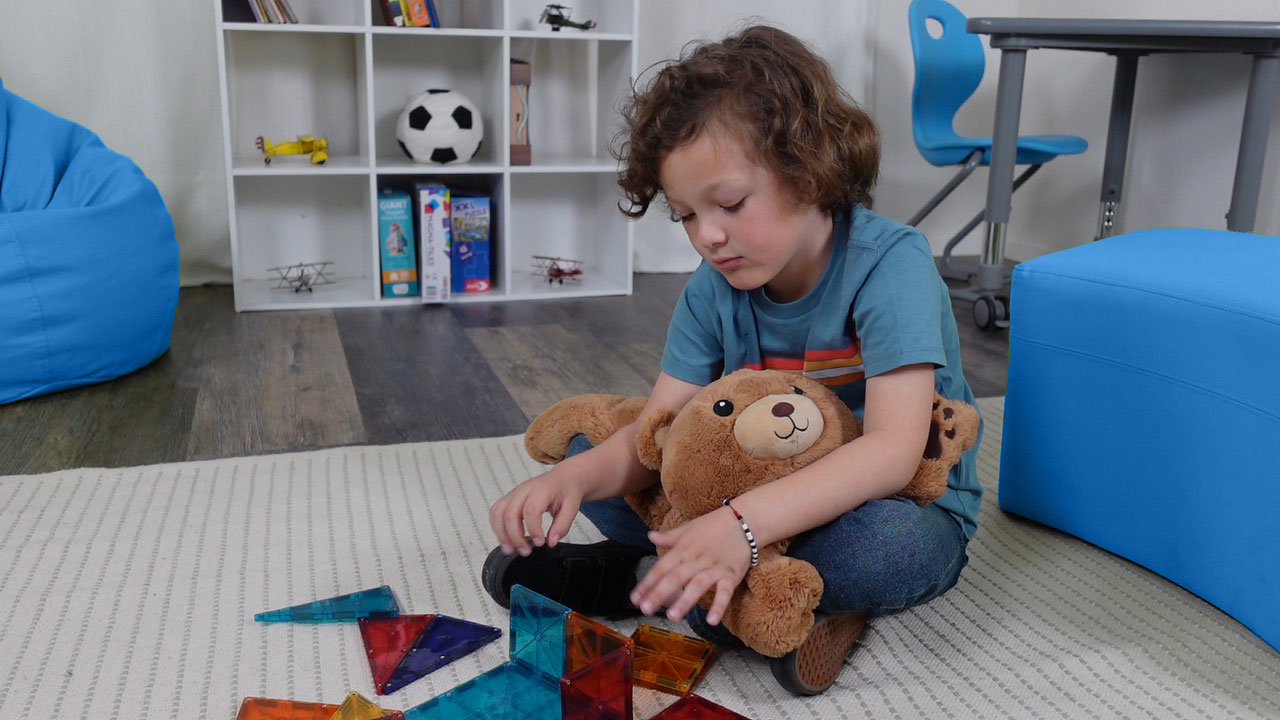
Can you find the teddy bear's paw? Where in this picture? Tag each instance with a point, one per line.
(596, 416)
(786, 582)
(953, 429)
(775, 612)
(763, 627)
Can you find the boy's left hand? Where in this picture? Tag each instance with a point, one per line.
(704, 553)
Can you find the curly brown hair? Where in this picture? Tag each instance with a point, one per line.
(781, 99)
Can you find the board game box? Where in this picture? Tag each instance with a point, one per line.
(434, 236)
(396, 245)
(469, 257)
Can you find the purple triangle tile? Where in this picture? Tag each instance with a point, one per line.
(446, 639)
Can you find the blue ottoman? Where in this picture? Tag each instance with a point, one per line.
(88, 258)
(1143, 411)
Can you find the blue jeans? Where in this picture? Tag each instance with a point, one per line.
(881, 557)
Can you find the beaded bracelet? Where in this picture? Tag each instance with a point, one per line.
(746, 530)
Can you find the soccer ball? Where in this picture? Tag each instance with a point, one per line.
(440, 127)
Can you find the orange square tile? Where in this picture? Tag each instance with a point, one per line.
(668, 661)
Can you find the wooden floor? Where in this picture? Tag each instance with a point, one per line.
(251, 383)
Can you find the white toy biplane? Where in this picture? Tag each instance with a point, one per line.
(303, 276)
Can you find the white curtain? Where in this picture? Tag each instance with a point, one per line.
(144, 76)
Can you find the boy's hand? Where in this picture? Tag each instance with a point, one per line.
(517, 516)
(707, 552)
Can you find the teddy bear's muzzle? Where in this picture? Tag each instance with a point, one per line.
(778, 426)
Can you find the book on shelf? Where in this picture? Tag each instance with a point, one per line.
(262, 11)
(470, 220)
(396, 244)
(392, 13)
(239, 11)
(521, 78)
(410, 13)
(418, 16)
(434, 237)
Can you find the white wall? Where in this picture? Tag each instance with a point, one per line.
(1183, 143)
(144, 76)
(835, 28)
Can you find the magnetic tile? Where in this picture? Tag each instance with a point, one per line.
(698, 707)
(359, 707)
(444, 640)
(600, 690)
(387, 641)
(538, 633)
(587, 641)
(669, 661)
(377, 602)
(256, 708)
(507, 692)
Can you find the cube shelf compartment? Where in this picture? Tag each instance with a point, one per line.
(341, 73)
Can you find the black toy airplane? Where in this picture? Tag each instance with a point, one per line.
(557, 16)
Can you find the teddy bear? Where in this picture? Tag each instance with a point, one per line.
(743, 430)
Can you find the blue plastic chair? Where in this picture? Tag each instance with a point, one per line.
(948, 71)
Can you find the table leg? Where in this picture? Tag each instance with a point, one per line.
(1117, 142)
(1264, 82)
(1004, 153)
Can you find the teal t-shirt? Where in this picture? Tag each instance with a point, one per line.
(880, 305)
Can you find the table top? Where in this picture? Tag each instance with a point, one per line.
(1121, 34)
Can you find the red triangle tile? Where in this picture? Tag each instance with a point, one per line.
(388, 640)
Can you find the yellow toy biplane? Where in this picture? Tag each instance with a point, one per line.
(305, 145)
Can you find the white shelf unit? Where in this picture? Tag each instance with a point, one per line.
(342, 74)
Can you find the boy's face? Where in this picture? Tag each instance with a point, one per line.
(741, 220)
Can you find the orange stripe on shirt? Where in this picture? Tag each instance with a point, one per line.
(782, 363)
(851, 350)
(854, 361)
(841, 380)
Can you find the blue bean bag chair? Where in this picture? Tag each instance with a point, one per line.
(88, 258)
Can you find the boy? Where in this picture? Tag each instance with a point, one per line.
(768, 166)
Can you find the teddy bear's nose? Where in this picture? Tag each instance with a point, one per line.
(783, 409)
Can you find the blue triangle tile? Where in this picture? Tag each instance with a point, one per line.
(377, 602)
(506, 692)
(446, 639)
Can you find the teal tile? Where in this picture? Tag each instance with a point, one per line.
(538, 633)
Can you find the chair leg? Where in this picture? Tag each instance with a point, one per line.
(970, 164)
(965, 270)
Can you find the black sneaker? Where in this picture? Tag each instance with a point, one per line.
(592, 579)
(814, 666)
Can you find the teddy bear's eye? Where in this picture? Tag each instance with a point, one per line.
(723, 408)
(798, 390)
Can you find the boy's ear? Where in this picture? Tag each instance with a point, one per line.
(654, 430)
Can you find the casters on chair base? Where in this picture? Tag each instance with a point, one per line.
(991, 312)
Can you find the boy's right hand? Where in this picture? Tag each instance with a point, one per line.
(517, 516)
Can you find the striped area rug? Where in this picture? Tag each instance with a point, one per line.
(130, 593)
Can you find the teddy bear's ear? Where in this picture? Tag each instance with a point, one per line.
(652, 436)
